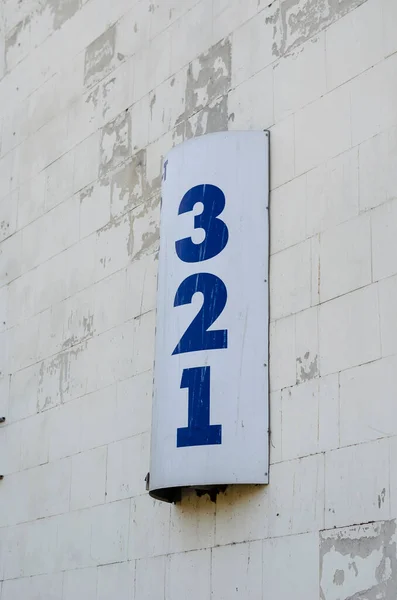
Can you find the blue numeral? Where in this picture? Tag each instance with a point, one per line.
(197, 337)
(199, 432)
(216, 231)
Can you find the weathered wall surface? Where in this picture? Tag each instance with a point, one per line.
(92, 94)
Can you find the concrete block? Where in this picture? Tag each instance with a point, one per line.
(144, 340)
(237, 572)
(4, 292)
(110, 531)
(134, 405)
(372, 106)
(322, 129)
(127, 466)
(188, 574)
(378, 168)
(348, 51)
(167, 104)
(8, 215)
(23, 393)
(65, 274)
(133, 30)
(282, 152)
(307, 345)
(290, 566)
(10, 266)
(251, 103)
(128, 185)
(94, 207)
(282, 352)
(100, 57)
(389, 14)
(329, 412)
(149, 528)
(23, 344)
(345, 258)
(252, 44)
(192, 523)
(367, 409)
(47, 587)
(115, 93)
(140, 117)
(4, 394)
(99, 431)
(141, 286)
(113, 247)
(313, 409)
(290, 277)
(118, 347)
(73, 545)
(384, 230)
(34, 437)
(353, 559)
(388, 327)
(58, 229)
(275, 427)
(349, 330)
(88, 481)
(22, 298)
(288, 214)
(109, 302)
(86, 162)
(300, 77)
(300, 411)
(31, 199)
(241, 515)
(10, 447)
(116, 581)
(49, 489)
(115, 143)
(332, 192)
(31, 549)
(191, 34)
(144, 229)
(150, 578)
(66, 417)
(357, 484)
(286, 499)
(80, 581)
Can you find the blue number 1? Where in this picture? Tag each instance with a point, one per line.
(199, 432)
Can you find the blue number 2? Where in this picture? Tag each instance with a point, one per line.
(197, 337)
(199, 432)
(216, 231)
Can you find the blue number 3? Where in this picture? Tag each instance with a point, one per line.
(216, 231)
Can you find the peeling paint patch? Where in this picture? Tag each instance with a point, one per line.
(144, 229)
(115, 144)
(55, 380)
(207, 84)
(211, 119)
(128, 185)
(63, 10)
(359, 562)
(17, 43)
(99, 57)
(307, 368)
(296, 21)
(83, 328)
(208, 77)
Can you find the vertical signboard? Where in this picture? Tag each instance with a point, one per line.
(210, 405)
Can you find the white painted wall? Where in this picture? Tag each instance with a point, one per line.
(92, 94)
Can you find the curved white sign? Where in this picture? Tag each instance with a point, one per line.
(210, 406)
